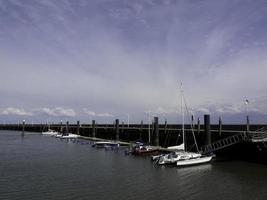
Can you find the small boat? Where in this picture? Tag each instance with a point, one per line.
(105, 144)
(145, 150)
(50, 132)
(69, 136)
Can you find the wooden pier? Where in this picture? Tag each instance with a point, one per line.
(210, 137)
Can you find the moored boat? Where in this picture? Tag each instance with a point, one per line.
(105, 144)
(194, 161)
(50, 132)
(145, 150)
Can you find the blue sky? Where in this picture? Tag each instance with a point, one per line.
(105, 59)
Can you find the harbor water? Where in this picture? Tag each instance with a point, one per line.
(43, 167)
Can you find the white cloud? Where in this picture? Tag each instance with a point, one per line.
(89, 112)
(58, 111)
(203, 110)
(92, 113)
(105, 115)
(15, 111)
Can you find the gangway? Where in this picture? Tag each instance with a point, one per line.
(223, 143)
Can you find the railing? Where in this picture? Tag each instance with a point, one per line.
(258, 136)
(223, 143)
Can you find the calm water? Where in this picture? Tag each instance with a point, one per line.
(40, 167)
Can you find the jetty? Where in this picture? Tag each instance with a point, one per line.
(210, 137)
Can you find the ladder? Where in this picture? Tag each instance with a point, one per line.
(223, 143)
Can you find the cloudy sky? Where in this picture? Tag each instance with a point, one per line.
(106, 59)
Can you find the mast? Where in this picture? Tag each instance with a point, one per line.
(149, 127)
(182, 110)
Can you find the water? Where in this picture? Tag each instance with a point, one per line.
(42, 167)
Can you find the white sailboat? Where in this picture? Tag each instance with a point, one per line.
(50, 132)
(191, 158)
(181, 157)
(67, 135)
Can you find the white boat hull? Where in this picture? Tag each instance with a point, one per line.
(50, 133)
(172, 158)
(194, 161)
(70, 136)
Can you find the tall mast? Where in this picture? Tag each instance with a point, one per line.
(182, 110)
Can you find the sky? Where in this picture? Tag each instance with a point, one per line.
(106, 59)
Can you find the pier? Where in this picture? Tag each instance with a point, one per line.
(210, 137)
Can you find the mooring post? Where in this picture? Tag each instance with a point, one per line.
(61, 126)
(67, 127)
(165, 128)
(117, 129)
(156, 131)
(141, 130)
(23, 127)
(198, 126)
(78, 128)
(122, 127)
(220, 126)
(247, 123)
(207, 140)
(93, 128)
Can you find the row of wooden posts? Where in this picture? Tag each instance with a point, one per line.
(155, 132)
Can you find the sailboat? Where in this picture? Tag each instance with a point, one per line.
(181, 157)
(67, 134)
(50, 132)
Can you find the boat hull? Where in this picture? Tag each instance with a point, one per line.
(194, 161)
(146, 152)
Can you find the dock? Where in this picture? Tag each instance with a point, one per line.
(210, 137)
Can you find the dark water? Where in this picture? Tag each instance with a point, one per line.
(40, 167)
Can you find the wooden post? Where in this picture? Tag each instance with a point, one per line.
(61, 127)
(122, 127)
(207, 140)
(93, 129)
(117, 129)
(220, 126)
(67, 127)
(165, 128)
(247, 123)
(141, 130)
(198, 126)
(156, 131)
(23, 127)
(78, 128)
